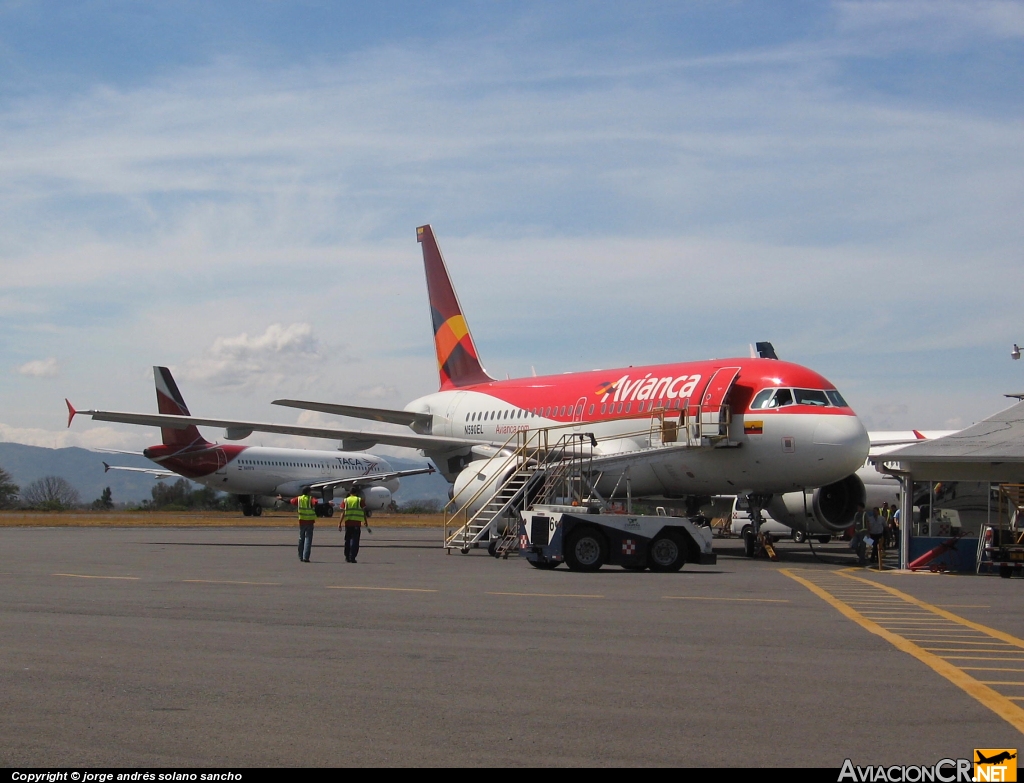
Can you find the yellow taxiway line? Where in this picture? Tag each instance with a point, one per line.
(1003, 706)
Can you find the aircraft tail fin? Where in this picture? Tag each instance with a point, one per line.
(458, 362)
(170, 401)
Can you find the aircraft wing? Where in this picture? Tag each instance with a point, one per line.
(624, 459)
(117, 451)
(237, 430)
(373, 414)
(154, 472)
(370, 478)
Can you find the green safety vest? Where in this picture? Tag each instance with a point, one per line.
(354, 510)
(306, 510)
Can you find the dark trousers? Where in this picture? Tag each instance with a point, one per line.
(352, 542)
(305, 539)
(879, 541)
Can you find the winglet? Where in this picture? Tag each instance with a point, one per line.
(918, 435)
(71, 411)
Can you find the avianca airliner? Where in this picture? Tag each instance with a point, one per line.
(250, 472)
(785, 426)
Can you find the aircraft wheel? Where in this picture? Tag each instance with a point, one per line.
(257, 510)
(585, 549)
(667, 553)
(246, 511)
(824, 539)
(330, 510)
(799, 536)
(1005, 571)
(492, 548)
(749, 542)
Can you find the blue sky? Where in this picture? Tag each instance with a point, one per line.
(231, 189)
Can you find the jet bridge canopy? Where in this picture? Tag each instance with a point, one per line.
(990, 451)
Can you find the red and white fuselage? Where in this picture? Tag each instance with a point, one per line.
(812, 441)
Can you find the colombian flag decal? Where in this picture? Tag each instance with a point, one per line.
(753, 428)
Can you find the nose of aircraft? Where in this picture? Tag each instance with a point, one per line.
(847, 434)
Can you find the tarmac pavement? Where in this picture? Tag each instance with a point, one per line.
(217, 647)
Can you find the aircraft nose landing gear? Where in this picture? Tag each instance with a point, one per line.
(755, 542)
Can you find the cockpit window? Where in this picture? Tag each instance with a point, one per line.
(811, 397)
(782, 398)
(836, 399)
(761, 400)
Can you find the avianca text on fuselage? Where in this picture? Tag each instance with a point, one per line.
(648, 388)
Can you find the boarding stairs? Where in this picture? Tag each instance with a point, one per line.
(504, 506)
(536, 471)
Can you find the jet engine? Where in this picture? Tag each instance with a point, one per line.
(476, 476)
(376, 498)
(832, 506)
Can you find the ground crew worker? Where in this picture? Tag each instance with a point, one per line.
(860, 532)
(307, 518)
(876, 529)
(353, 518)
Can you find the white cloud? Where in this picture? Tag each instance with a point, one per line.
(40, 368)
(935, 21)
(377, 393)
(240, 361)
(90, 438)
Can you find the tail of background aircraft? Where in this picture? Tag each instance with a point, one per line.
(170, 401)
(458, 363)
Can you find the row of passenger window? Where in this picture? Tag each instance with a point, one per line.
(641, 407)
(274, 463)
(567, 410)
(779, 398)
(523, 413)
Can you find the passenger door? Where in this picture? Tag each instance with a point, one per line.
(713, 419)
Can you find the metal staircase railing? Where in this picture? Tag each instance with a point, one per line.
(463, 530)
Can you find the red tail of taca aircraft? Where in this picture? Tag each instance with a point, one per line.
(170, 401)
(458, 363)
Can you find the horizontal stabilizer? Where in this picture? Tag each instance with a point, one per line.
(154, 472)
(407, 418)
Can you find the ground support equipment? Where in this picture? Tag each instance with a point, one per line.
(585, 540)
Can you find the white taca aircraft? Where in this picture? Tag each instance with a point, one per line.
(250, 472)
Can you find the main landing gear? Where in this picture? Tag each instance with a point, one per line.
(250, 506)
